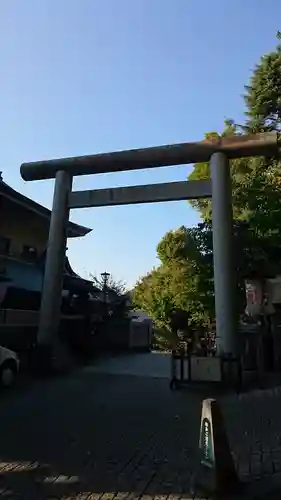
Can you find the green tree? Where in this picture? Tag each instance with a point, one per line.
(263, 98)
(152, 294)
(182, 281)
(256, 181)
(111, 284)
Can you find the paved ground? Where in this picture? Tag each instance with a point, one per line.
(94, 435)
(152, 365)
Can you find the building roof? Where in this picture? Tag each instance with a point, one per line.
(74, 230)
(75, 283)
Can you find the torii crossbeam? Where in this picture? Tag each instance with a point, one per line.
(217, 151)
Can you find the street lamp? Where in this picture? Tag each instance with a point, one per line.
(105, 277)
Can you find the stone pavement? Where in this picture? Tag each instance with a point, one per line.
(254, 428)
(152, 365)
(97, 436)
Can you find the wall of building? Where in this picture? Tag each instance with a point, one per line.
(24, 275)
(20, 275)
(23, 227)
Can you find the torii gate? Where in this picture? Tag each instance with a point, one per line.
(217, 151)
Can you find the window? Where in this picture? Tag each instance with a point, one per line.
(29, 253)
(4, 245)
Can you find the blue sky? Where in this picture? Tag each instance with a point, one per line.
(90, 76)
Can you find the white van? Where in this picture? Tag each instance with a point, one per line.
(9, 367)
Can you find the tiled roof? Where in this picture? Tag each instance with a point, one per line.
(74, 230)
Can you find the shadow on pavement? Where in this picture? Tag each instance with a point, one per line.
(99, 434)
(88, 435)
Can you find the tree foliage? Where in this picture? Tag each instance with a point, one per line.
(256, 181)
(117, 304)
(181, 282)
(112, 285)
(263, 98)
